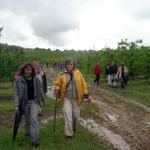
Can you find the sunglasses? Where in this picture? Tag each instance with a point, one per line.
(69, 64)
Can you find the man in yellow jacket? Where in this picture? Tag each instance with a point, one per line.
(72, 90)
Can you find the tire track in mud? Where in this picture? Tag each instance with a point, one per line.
(122, 122)
(104, 133)
(122, 117)
(129, 120)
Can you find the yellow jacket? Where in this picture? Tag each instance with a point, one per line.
(81, 86)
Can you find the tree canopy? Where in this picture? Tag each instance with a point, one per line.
(135, 56)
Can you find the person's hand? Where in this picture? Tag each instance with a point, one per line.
(17, 110)
(56, 92)
(116, 78)
(88, 99)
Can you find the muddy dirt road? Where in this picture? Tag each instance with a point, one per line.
(127, 118)
(123, 117)
(124, 123)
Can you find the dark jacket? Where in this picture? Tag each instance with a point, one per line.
(44, 83)
(112, 69)
(107, 71)
(21, 92)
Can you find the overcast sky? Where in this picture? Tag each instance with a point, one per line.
(77, 24)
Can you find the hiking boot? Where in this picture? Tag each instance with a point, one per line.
(35, 144)
(68, 137)
(39, 114)
(74, 130)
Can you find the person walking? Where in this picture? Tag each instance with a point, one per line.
(43, 81)
(28, 91)
(107, 74)
(122, 75)
(42, 77)
(71, 89)
(97, 71)
(112, 72)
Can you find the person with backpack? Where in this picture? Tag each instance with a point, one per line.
(28, 92)
(97, 70)
(122, 75)
(71, 89)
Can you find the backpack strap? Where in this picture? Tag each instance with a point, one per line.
(71, 76)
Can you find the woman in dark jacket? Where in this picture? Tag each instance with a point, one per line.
(28, 90)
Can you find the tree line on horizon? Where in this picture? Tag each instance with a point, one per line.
(135, 56)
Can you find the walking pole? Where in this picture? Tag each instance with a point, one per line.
(55, 114)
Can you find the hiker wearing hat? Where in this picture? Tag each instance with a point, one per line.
(122, 75)
(72, 90)
(28, 92)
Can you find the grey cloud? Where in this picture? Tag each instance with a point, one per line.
(14, 29)
(20, 6)
(49, 19)
(139, 9)
(53, 23)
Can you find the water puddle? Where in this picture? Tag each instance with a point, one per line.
(104, 133)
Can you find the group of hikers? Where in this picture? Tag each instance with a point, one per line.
(70, 89)
(112, 74)
(58, 65)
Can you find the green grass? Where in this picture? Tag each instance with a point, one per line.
(5, 84)
(90, 78)
(83, 140)
(136, 90)
(6, 92)
(90, 106)
(6, 89)
(49, 104)
(7, 106)
(48, 139)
